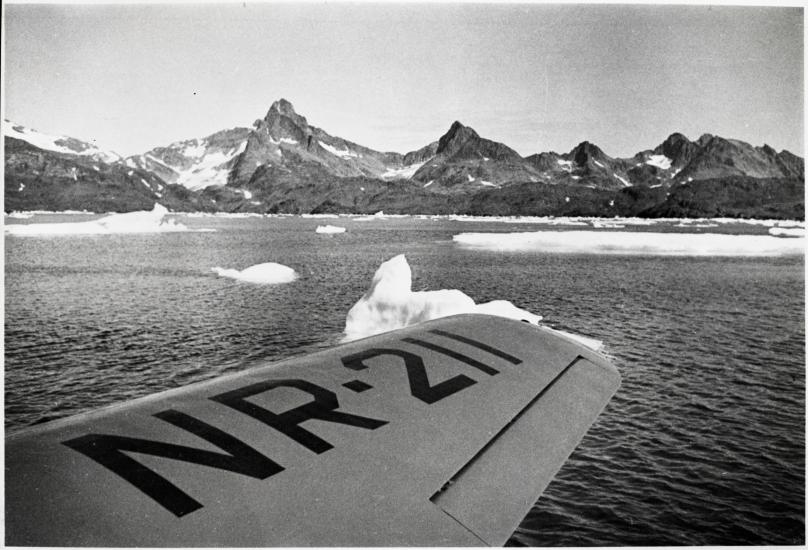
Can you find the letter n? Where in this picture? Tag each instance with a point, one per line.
(108, 450)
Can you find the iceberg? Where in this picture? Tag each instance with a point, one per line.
(644, 243)
(268, 274)
(329, 229)
(153, 221)
(390, 304)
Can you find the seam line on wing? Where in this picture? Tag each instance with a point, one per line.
(434, 498)
(464, 527)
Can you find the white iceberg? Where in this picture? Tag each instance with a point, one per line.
(646, 243)
(330, 229)
(268, 273)
(154, 221)
(390, 304)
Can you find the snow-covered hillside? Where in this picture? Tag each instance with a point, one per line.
(195, 163)
(58, 144)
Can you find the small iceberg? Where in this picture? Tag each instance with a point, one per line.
(153, 221)
(266, 274)
(329, 229)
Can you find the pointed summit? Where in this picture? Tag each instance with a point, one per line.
(585, 151)
(283, 107)
(454, 139)
(677, 148)
(283, 122)
(704, 140)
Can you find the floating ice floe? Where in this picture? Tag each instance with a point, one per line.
(618, 242)
(268, 273)
(599, 224)
(319, 216)
(691, 224)
(154, 221)
(20, 215)
(787, 231)
(330, 229)
(380, 215)
(390, 304)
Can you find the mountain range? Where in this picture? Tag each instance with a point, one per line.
(284, 164)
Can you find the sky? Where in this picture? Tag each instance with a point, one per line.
(394, 77)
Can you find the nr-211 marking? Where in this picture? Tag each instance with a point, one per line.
(109, 450)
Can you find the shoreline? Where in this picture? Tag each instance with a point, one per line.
(549, 220)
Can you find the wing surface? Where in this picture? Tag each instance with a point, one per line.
(439, 434)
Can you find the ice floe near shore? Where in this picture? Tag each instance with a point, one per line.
(787, 231)
(268, 273)
(329, 229)
(154, 221)
(643, 243)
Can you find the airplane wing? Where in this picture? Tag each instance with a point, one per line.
(440, 434)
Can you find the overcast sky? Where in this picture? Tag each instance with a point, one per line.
(394, 77)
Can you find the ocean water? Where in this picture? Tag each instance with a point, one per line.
(704, 444)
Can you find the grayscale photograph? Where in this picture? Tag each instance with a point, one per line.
(373, 274)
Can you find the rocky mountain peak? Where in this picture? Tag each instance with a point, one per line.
(585, 151)
(282, 106)
(704, 140)
(677, 148)
(283, 122)
(675, 141)
(457, 135)
(769, 150)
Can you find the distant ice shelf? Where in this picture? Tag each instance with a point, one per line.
(637, 243)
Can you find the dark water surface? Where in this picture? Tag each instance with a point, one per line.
(703, 444)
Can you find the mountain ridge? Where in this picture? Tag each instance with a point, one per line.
(283, 154)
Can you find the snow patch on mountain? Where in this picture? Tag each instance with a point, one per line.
(623, 180)
(194, 149)
(660, 161)
(342, 153)
(565, 164)
(194, 164)
(58, 144)
(402, 173)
